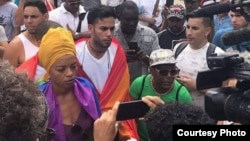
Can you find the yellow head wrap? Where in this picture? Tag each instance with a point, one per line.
(56, 43)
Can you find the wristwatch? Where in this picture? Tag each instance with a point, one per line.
(76, 36)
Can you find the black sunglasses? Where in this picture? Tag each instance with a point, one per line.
(75, 129)
(172, 73)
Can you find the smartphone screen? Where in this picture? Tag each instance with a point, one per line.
(133, 45)
(131, 110)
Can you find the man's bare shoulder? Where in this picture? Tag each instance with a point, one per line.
(15, 45)
(14, 51)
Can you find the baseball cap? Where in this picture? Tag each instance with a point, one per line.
(161, 57)
(177, 11)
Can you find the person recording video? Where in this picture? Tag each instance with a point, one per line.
(137, 40)
(160, 119)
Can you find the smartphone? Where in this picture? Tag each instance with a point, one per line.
(131, 110)
(133, 45)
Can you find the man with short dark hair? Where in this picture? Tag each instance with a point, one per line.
(102, 60)
(31, 66)
(129, 30)
(25, 45)
(193, 58)
(238, 21)
(175, 31)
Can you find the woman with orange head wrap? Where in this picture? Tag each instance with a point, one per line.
(72, 101)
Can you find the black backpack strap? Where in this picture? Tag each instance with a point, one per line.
(142, 85)
(177, 93)
(180, 48)
(183, 45)
(81, 17)
(211, 49)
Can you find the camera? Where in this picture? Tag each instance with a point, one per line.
(226, 103)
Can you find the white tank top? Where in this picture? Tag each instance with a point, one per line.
(29, 48)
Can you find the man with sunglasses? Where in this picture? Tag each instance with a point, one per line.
(160, 82)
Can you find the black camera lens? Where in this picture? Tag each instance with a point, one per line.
(237, 108)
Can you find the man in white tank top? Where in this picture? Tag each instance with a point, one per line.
(25, 45)
(31, 66)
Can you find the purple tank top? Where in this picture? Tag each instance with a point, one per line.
(81, 129)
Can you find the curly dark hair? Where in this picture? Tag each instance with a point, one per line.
(24, 110)
(160, 121)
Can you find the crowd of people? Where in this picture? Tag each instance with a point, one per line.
(65, 66)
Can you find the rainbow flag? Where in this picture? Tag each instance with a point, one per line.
(116, 88)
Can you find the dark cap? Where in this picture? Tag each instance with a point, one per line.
(177, 11)
(238, 10)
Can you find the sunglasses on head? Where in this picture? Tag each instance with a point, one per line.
(167, 72)
(75, 129)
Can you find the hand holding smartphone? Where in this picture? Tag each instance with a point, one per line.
(131, 110)
(134, 46)
(131, 54)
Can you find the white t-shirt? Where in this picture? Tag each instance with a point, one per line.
(190, 61)
(64, 17)
(97, 69)
(146, 8)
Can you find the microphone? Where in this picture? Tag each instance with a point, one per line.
(219, 8)
(236, 37)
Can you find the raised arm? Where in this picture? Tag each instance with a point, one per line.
(19, 13)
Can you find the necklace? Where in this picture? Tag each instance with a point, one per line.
(108, 56)
(158, 94)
